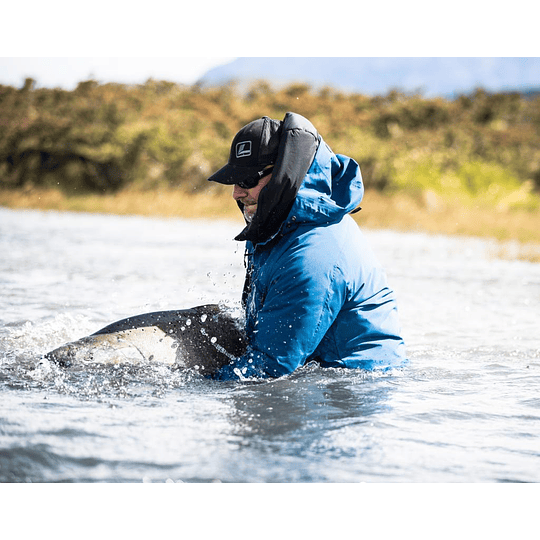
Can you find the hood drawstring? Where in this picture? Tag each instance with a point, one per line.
(248, 265)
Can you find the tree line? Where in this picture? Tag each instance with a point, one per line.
(108, 137)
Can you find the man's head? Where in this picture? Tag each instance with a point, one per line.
(266, 199)
(253, 149)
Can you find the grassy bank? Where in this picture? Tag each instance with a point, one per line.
(516, 230)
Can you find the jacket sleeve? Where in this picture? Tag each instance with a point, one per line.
(305, 292)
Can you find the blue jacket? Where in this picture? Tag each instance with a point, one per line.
(317, 292)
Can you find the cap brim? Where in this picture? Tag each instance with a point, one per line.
(232, 175)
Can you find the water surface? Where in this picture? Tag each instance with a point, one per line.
(466, 409)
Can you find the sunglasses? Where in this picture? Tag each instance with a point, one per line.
(250, 183)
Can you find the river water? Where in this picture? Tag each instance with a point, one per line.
(466, 409)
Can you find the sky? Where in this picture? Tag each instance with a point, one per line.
(67, 72)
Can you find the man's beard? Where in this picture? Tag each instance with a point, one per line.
(248, 217)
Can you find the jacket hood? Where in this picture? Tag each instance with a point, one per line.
(310, 184)
(331, 189)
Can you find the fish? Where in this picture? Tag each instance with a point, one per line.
(201, 338)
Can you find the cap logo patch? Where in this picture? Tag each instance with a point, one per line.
(243, 149)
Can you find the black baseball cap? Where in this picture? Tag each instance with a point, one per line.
(253, 148)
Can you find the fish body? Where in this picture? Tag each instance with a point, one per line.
(203, 338)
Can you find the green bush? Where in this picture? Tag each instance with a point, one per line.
(102, 138)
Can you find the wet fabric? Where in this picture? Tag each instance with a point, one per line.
(317, 291)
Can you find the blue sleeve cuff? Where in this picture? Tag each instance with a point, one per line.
(241, 369)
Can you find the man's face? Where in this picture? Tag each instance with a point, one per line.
(249, 197)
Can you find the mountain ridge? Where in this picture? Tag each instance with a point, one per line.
(429, 76)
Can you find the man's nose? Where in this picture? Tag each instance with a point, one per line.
(238, 192)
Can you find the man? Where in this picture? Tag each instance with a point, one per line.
(314, 290)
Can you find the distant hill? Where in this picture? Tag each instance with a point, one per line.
(375, 76)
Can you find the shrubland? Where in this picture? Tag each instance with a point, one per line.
(433, 158)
